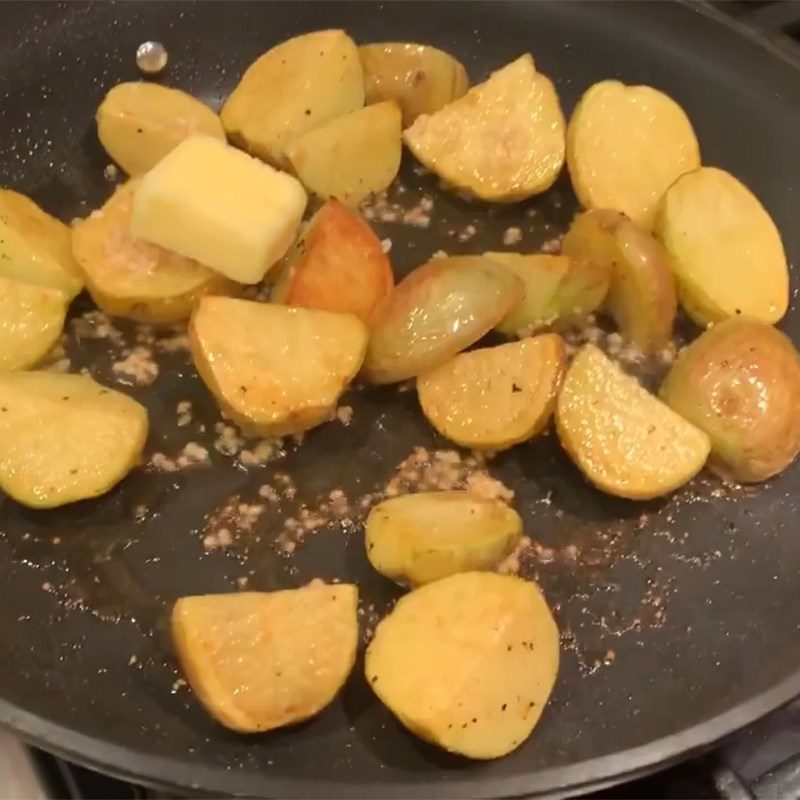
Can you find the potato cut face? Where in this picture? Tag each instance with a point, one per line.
(624, 440)
(31, 320)
(495, 397)
(295, 87)
(502, 141)
(352, 156)
(422, 537)
(128, 277)
(139, 122)
(421, 78)
(65, 437)
(725, 249)
(740, 383)
(435, 311)
(275, 369)
(263, 660)
(467, 662)
(625, 147)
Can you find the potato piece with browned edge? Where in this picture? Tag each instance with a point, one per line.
(65, 438)
(352, 156)
(422, 537)
(263, 660)
(503, 141)
(740, 383)
(624, 440)
(273, 369)
(295, 87)
(338, 264)
(495, 397)
(724, 247)
(435, 311)
(421, 78)
(625, 147)
(467, 662)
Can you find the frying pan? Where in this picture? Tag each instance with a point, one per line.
(680, 617)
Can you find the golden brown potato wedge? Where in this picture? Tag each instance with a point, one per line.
(725, 249)
(422, 537)
(274, 369)
(502, 141)
(263, 660)
(625, 146)
(65, 437)
(295, 87)
(740, 383)
(467, 662)
(624, 440)
(495, 397)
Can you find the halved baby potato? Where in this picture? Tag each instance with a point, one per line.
(65, 437)
(273, 369)
(624, 440)
(295, 87)
(262, 660)
(725, 249)
(128, 277)
(435, 311)
(625, 146)
(422, 537)
(495, 397)
(352, 156)
(502, 141)
(467, 662)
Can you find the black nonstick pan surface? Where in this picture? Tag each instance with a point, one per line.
(681, 618)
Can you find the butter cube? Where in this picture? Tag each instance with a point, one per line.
(208, 201)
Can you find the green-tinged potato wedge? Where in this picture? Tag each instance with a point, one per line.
(724, 247)
(625, 147)
(273, 369)
(467, 662)
(295, 87)
(422, 537)
(352, 156)
(642, 296)
(556, 287)
(65, 438)
(263, 660)
(436, 311)
(624, 440)
(495, 397)
(502, 141)
(740, 383)
(419, 77)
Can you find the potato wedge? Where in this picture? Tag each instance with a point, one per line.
(421, 78)
(65, 438)
(503, 141)
(625, 146)
(422, 537)
(273, 369)
(725, 249)
(740, 383)
(624, 440)
(467, 662)
(262, 660)
(337, 265)
(495, 397)
(556, 287)
(31, 320)
(435, 311)
(128, 277)
(295, 87)
(642, 296)
(352, 156)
